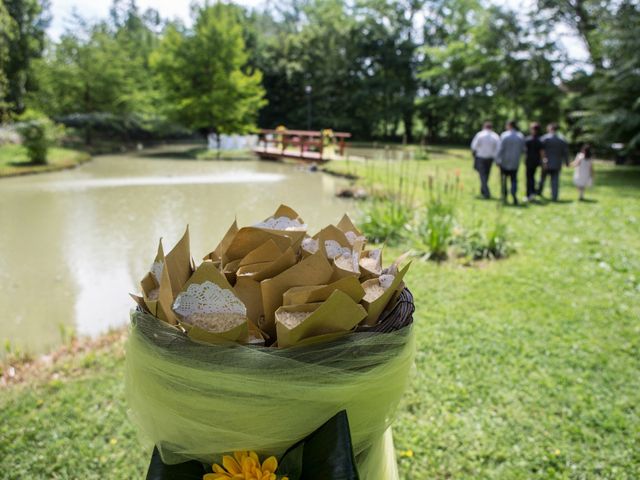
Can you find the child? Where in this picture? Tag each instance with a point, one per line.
(583, 174)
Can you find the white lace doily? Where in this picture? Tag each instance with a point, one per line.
(310, 245)
(207, 297)
(282, 223)
(156, 270)
(334, 249)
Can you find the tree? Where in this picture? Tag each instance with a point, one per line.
(612, 111)
(7, 33)
(30, 19)
(97, 76)
(479, 63)
(582, 16)
(201, 70)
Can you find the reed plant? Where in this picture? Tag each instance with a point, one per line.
(480, 243)
(388, 212)
(432, 233)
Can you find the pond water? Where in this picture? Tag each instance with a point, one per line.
(74, 243)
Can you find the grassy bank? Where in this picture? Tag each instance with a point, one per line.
(14, 160)
(527, 367)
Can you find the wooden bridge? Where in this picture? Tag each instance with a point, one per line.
(304, 145)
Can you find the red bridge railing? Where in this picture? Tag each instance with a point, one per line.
(309, 142)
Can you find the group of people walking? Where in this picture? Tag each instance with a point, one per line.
(548, 152)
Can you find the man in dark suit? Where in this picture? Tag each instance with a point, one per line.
(555, 152)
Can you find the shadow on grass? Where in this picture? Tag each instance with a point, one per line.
(27, 164)
(620, 176)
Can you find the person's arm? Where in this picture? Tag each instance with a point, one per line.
(576, 161)
(497, 147)
(474, 144)
(565, 152)
(592, 171)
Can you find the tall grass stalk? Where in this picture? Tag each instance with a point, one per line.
(432, 235)
(387, 214)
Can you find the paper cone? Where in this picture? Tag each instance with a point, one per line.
(338, 314)
(370, 264)
(349, 229)
(248, 280)
(249, 238)
(313, 270)
(207, 272)
(375, 308)
(222, 247)
(313, 294)
(178, 263)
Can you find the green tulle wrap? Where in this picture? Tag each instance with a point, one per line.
(199, 401)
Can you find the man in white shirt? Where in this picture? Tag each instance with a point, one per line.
(485, 147)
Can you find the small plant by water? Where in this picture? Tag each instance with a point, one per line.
(38, 133)
(486, 244)
(432, 234)
(384, 220)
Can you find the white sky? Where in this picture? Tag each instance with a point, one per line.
(61, 11)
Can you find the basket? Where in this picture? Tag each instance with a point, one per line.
(396, 317)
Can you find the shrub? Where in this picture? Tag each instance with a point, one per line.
(385, 220)
(433, 233)
(478, 244)
(38, 133)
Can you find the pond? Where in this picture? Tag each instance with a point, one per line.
(74, 243)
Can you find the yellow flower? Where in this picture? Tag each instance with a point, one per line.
(407, 453)
(244, 465)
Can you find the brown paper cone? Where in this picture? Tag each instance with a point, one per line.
(338, 314)
(249, 238)
(220, 250)
(313, 294)
(313, 270)
(375, 308)
(178, 264)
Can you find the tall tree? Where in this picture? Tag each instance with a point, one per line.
(612, 111)
(30, 18)
(202, 73)
(7, 32)
(479, 64)
(582, 16)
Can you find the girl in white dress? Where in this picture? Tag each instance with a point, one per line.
(583, 174)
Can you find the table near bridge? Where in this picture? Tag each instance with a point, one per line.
(305, 145)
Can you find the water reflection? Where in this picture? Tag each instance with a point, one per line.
(74, 243)
(233, 177)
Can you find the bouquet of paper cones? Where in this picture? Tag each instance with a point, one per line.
(271, 335)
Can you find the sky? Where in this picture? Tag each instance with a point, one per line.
(61, 11)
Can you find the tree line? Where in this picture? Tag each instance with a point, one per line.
(418, 70)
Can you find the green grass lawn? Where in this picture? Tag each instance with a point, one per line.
(527, 367)
(14, 160)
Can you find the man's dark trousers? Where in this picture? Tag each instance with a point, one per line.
(513, 176)
(531, 180)
(484, 169)
(555, 177)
